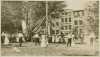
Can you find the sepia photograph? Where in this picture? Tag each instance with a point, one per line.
(49, 28)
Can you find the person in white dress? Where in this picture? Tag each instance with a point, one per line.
(43, 40)
(73, 41)
(2, 37)
(53, 38)
(6, 41)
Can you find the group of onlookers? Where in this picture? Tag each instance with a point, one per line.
(38, 39)
(7, 38)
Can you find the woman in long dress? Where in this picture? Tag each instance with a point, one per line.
(6, 41)
(43, 41)
(2, 37)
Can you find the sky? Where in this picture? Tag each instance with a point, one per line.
(76, 4)
(71, 4)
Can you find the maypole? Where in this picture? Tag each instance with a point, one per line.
(44, 41)
(46, 22)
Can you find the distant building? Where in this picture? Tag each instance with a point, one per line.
(71, 21)
(66, 19)
(78, 22)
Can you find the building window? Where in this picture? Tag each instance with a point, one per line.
(66, 13)
(62, 19)
(76, 22)
(65, 19)
(57, 23)
(62, 28)
(66, 27)
(70, 27)
(53, 32)
(57, 31)
(70, 20)
(63, 13)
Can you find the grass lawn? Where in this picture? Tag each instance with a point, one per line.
(29, 49)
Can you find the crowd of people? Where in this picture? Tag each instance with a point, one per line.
(7, 38)
(38, 39)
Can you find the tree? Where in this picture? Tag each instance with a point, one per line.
(11, 16)
(31, 11)
(92, 10)
(38, 11)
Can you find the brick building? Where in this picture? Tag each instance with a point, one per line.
(69, 21)
(66, 21)
(78, 22)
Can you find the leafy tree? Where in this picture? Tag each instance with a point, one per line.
(37, 10)
(93, 16)
(32, 11)
(10, 16)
